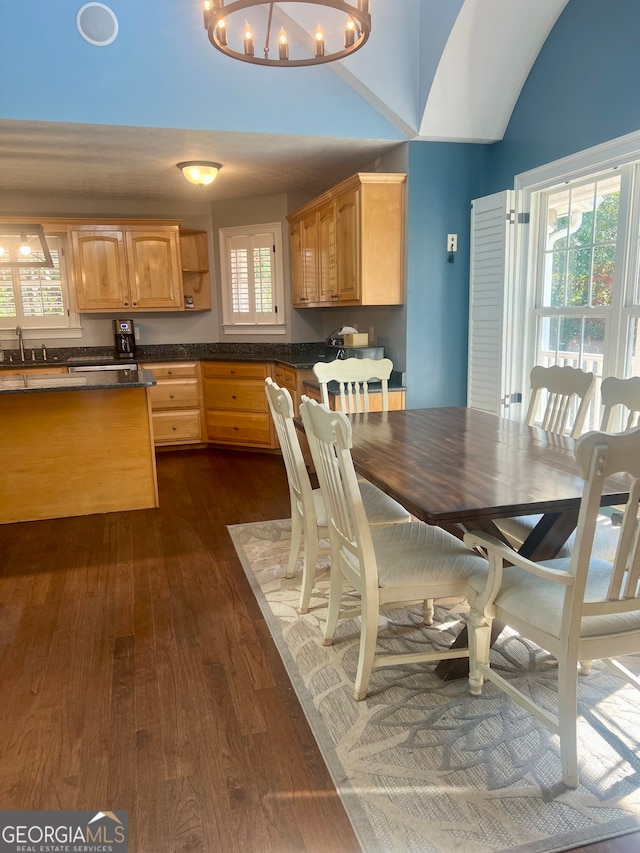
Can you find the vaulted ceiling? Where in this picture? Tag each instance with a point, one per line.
(81, 120)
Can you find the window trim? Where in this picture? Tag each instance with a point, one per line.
(228, 325)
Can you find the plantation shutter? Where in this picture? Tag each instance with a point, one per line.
(491, 303)
(251, 267)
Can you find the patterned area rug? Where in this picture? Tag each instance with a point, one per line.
(423, 767)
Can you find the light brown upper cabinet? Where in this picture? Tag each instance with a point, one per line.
(304, 260)
(348, 245)
(134, 267)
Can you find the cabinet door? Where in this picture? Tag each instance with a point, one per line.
(327, 285)
(154, 270)
(100, 268)
(348, 246)
(298, 295)
(310, 257)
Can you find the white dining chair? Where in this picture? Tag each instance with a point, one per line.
(621, 399)
(386, 566)
(308, 513)
(353, 376)
(557, 394)
(577, 608)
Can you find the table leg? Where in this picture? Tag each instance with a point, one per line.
(549, 535)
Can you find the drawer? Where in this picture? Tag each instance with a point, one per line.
(182, 394)
(231, 394)
(244, 428)
(237, 369)
(172, 427)
(286, 378)
(179, 370)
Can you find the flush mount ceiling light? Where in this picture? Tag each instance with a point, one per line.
(24, 246)
(199, 172)
(354, 31)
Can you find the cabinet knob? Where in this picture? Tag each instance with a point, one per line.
(126, 304)
(236, 428)
(174, 428)
(171, 396)
(334, 295)
(135, 304)
(233, 397)
(170, 372)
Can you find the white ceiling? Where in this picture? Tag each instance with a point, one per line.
(486, 49)
(103, 161)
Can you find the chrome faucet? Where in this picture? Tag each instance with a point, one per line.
(20, 342)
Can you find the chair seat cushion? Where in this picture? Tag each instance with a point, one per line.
(540, 602)
(417, 553)
(605, 540)
(380, 508)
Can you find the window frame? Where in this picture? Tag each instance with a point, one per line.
(618, 154)
(230, 325)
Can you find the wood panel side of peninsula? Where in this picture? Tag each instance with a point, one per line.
(72, 453)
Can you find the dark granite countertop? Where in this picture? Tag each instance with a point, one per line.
(300, 356)
(87, 381)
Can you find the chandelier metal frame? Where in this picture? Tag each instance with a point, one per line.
(215, 13)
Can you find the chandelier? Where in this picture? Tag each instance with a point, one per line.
(357, 27)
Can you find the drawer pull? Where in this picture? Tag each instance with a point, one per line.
(170, 372)
(232, 371)
(236, 428)
(174, 428)
(233, 397)
(171, 396)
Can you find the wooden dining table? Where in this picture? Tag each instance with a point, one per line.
(462, 469)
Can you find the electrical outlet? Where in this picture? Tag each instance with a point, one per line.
(452, 242)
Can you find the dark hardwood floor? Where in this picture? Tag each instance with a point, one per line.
(137, 673)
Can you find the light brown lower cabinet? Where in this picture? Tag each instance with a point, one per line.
(397, 400)
(293, 380)
(176, 403)
(236, 410)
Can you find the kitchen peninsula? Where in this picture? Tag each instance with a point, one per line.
(76, 444)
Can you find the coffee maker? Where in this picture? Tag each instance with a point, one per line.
(125, 338)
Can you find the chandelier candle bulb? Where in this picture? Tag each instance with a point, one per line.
(283, 47)
(319, 51)
(248, 41)
(221, 31)
(350, 34)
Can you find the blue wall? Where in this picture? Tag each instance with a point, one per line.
(161, 71)
(443, 178)
(583, 89)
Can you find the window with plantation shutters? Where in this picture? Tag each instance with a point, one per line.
(34, 297)
(252, 278)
